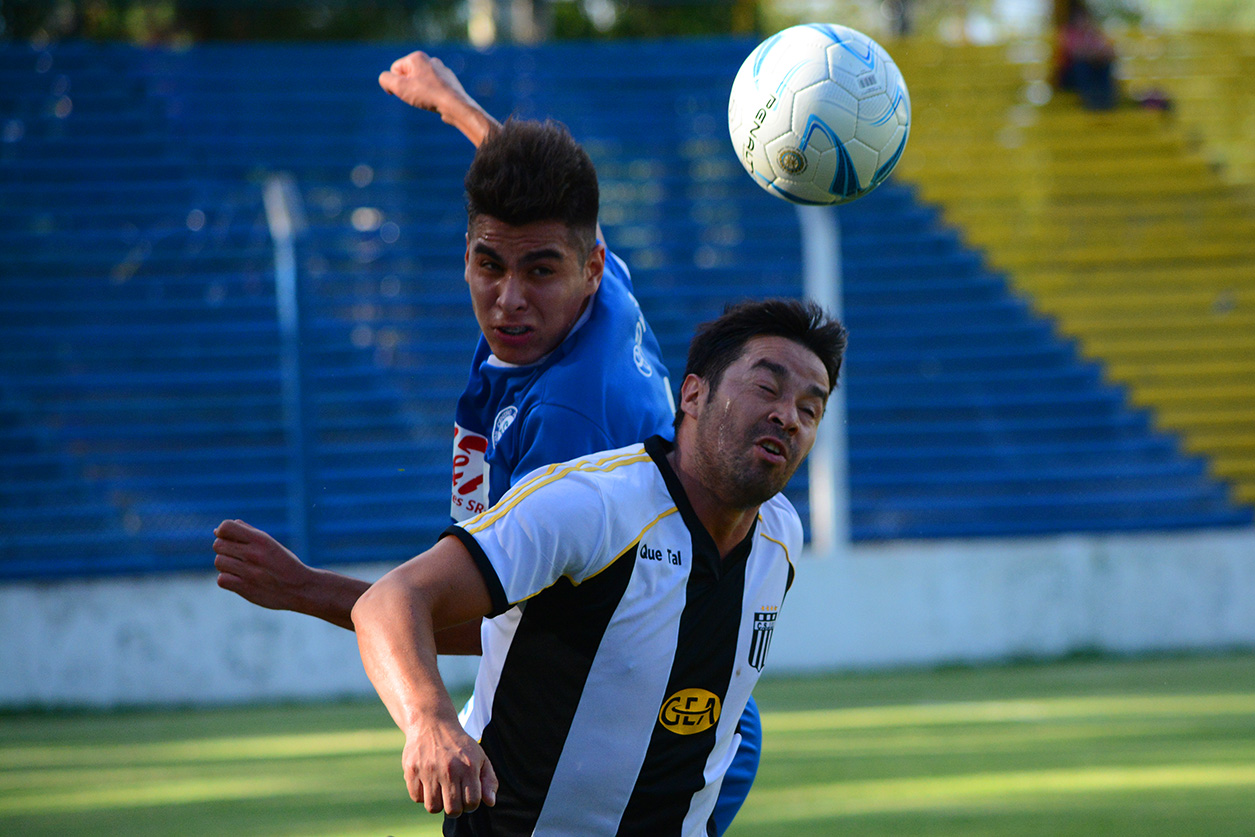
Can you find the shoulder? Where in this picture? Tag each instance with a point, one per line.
(588, 474)
(571, 519)
(779, 522)
(566, 416)
(583, 501)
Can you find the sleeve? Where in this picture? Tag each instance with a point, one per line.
(549, 526)
(553, 433)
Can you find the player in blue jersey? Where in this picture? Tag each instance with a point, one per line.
(648, 578)
(566, 363)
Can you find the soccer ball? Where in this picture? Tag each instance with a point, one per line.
(819, 114)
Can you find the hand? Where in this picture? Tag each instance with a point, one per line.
(445, 769)
(425, 82)
(257, 567)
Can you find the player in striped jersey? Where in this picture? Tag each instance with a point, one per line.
(647, 579)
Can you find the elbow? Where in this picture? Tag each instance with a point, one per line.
(388, 602)
(366, 606)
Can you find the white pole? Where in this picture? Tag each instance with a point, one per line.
(286, 220)
(829, 468)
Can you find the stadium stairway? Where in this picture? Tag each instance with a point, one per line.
(139, 347)
(1113, 224)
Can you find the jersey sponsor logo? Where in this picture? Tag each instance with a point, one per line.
(502, 423)
(760, 637)
(470, 474)
(664, 555)
(638, 351)
(690, 711)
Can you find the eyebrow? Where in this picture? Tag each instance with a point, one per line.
(780, 372)
(534, 256)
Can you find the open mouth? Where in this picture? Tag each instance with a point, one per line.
(514, 331)
(775, 449)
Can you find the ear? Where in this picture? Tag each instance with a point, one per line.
(466, 257)
(594, 267)
(693, 396)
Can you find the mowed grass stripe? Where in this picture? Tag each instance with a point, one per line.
(1003, 711)
(1004, 788)
(224, 749)
(1113, 736)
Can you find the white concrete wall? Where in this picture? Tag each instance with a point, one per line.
(163, 639)
(904, 603)
(182, 640)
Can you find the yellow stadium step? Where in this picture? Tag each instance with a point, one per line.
(1207, 371)
(1224, 396)
(1115, 278)
(1172, 347)
(1234, 447)
(1233, 423)
(1099, 331)
(1161, 232)
(1133, 308)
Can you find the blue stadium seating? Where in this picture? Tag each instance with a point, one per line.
(141, 399)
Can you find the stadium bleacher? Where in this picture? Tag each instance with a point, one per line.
(141, 399)
(1133, 235)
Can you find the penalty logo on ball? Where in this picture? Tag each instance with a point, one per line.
(792, 160)
(819, 114)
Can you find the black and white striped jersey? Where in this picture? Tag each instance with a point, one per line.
(609, 692)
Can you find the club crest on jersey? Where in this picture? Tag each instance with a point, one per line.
(502, 423)
(760, 638)
(690, 711)
(638, 350)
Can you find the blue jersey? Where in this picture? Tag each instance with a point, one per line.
(603, 387)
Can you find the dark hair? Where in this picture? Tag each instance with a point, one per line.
(530, 171)
(718, 343)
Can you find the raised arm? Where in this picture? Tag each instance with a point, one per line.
(396, 622)
(425, 82)
(258, 568)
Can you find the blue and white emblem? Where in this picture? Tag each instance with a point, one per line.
(502, 423)
(638, 351)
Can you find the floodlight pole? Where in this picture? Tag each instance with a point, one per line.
(829, 459)
(286, 220)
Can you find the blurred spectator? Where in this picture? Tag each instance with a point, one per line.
(1085, 58)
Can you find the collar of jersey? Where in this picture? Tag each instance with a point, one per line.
(493, 360)
(705, 553)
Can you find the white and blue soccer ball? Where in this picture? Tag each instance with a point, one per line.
(819, 114)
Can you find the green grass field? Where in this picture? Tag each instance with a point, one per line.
(1078, 748)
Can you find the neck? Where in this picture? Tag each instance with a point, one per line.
(727, 525)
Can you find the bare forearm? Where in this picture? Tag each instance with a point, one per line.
(396, 621)
(396, 637)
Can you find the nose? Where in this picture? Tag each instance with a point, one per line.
(510, 295)
(784, 413)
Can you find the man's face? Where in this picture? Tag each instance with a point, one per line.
(528, 284)
(754, 430)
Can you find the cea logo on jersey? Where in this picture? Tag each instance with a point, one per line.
(690, 711)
